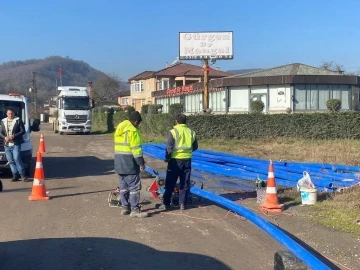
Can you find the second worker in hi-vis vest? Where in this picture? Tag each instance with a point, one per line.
(181, 143)
(129, 161)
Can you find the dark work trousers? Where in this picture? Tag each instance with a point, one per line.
(130, 186)
(177, 168)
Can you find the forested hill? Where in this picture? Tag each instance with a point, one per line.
(16, 76)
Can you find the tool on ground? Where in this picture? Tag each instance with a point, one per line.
(38, 192)
(42, 144)
(271, 203)
(114, 198)
(157, 190)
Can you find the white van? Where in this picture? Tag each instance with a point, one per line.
(19, 104)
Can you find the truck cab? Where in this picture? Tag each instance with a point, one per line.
(20, 106)
(74, 110)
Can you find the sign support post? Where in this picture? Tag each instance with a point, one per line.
(206, 85)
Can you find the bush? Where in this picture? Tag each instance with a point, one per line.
(176, 108)
(119, 117)
(154, 108)
(101, 109)
(145, 109)
(256, 106)
(157, 125)
(128, 109)
(333, 105)
(117, 109)
(342, 125)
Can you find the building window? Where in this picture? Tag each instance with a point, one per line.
(163, 85)
(142, 102)
(133, 103)
(137, 86)
(124, 101)
(314, 97)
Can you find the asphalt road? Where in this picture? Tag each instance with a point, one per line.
(77, 229)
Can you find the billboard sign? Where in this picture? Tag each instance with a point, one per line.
(206, 45)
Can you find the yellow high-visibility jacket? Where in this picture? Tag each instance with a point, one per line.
(181, 142)
(128, 151)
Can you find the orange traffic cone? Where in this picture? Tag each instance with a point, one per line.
(39, 190)
(271, 203)
(42, 144)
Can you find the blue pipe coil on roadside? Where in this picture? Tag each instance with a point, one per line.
(245, 168)
(306, 256)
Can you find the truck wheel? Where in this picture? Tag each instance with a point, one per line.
(61, 133)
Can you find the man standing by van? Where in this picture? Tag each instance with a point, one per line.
(12, 131)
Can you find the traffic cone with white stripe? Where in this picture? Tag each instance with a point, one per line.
(42, 144)
(271, 203)
(39, 190)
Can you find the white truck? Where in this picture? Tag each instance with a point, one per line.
(74, 110)
(20, 106)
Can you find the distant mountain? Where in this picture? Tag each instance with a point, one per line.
(242, 71)
(16, 76)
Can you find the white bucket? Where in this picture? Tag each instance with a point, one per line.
(308, 195)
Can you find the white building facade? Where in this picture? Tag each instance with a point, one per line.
(294, 87)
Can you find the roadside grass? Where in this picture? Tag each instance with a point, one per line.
(338, 211)
(341, 212)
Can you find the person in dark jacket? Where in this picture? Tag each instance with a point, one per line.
(128, 162)
(181, 143)
(12, 131)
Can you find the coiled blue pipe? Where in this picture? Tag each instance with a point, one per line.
(307, 257)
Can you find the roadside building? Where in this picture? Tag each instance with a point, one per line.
(175, 76)
(295, 87)
(124, 99)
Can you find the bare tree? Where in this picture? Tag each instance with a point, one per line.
(333, 66)
(107, 88)
(354, 73)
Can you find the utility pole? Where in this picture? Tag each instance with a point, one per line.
(33, 91)
(206, 84)
(60, 75)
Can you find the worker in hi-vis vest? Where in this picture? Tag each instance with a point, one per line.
(128, 162)
(181, 143)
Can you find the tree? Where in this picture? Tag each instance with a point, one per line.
(333, 66)
(107, 88)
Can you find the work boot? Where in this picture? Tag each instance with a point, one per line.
(125, 210)
(136, 212)
(24, 178)
(164, 207)
(15, 178)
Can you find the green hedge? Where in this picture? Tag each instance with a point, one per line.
(341, 125)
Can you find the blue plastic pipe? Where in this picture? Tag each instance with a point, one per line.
(306, 256)
(248, 168)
